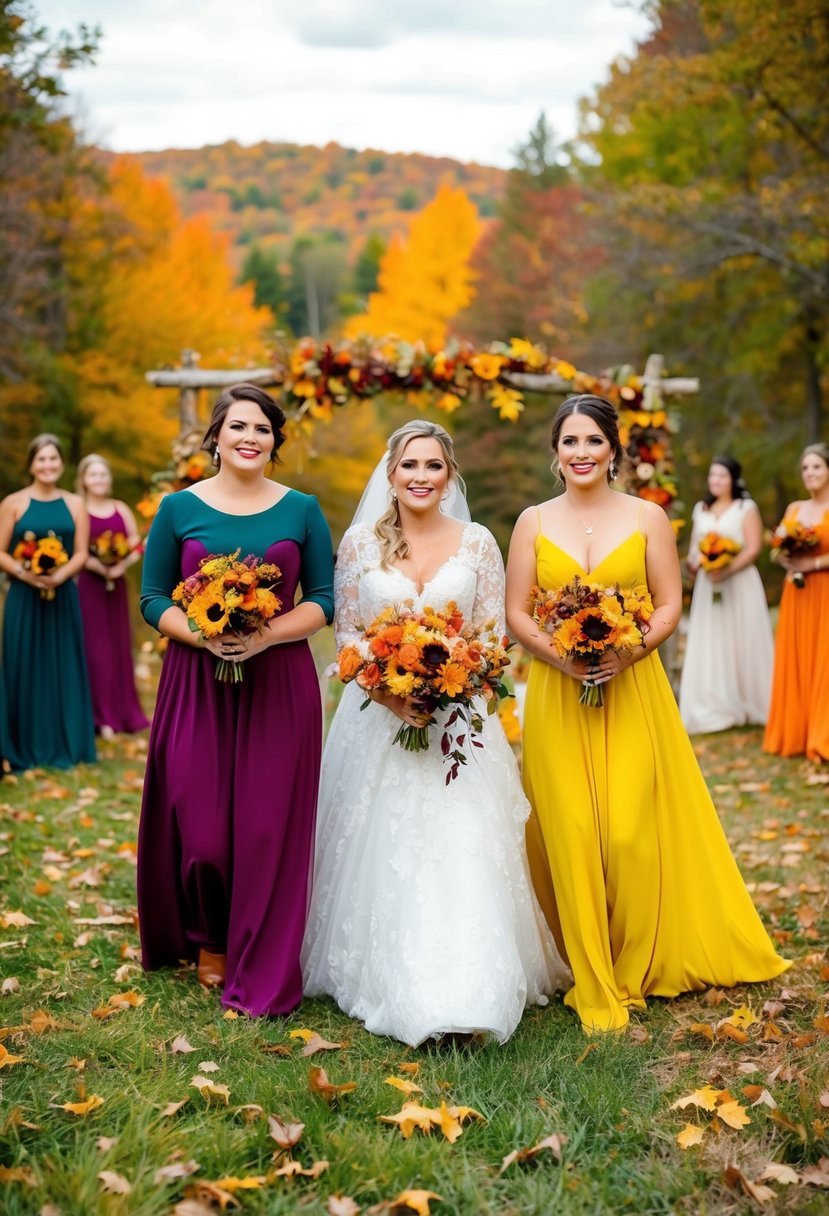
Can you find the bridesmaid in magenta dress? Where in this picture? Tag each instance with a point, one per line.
(103, 592)
(228, 816)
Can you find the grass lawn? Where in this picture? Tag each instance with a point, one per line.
(83, 1026)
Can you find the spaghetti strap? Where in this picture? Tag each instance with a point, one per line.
(538, 513)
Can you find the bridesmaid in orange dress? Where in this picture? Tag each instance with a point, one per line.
(799, 714)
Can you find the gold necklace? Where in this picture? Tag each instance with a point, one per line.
(588, 528)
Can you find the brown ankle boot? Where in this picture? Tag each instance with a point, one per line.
(211, 969)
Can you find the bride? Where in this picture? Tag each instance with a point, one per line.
(422, 919)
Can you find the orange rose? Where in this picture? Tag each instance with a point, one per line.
(370, 676)
(408, 656)
(349, 661)
(380, 648)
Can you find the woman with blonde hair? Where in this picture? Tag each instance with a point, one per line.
(114, 546)
(799, 714)
(422, 919)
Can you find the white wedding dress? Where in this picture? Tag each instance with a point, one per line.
(422, 920)
(729, 651)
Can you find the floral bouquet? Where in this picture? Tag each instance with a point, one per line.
(226, 594)
(715, 553)
(434, 659)
(584, 620)
(41, 555)
(791, 538)
(110, 548)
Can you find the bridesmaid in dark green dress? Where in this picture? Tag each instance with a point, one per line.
(44, 667)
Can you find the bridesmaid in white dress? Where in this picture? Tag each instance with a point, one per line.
(422, 921)
(729, 653)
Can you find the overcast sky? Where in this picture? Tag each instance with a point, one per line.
(460, 78)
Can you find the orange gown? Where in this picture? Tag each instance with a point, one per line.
(799, 714)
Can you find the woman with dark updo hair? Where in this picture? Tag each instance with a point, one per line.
(729, 652)
(227, 820)
(625, 836)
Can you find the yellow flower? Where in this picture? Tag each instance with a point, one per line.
(266, 603)
(399, 683)
(298, 361)
(209, 612)
(507, 401)
(625, 635)
(533, 356)
(565, 370)
(451, 679)
(487, 367)
(448, 402)
(304, 388)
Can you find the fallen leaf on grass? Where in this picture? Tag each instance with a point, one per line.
(319, 1084)
(250, 1112)
(10, 984)
(314, 1042)
(208, 1066)
(7, 1059)
(79, 1108)
(174, 1171)
(775, 1172)
(294, 1169)
(192, 1207)
(821, 1023)
(702, 1028)
(286, 1135)
(741, 1017)
(112, 919)
(406, 1087)
(342, 1205)
(733, 1114)
(414, 1201)
(172, 1107)
(448, 1118)
(590, 1047)
(816, 1175)
(17, 1173)
(15, 920)
(727, 1030)
(759, 1096)
(230, 1015)
(554, 1143)
(209, 1090)
(755, 1190)
(706, 1098)
(410, 1068)
(117, 1002)
(275, 1049)
(689, 1136)
(180, 1046)
(105, 1143)
(115, 1184)
(222, 1191)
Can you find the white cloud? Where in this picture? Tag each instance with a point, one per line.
(464, 78)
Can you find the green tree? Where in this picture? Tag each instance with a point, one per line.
(262, 269)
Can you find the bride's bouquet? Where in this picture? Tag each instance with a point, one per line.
(41, 555)
(226, 595)
(715, 553)
(585, 620)
(791, 538)
(435, 660)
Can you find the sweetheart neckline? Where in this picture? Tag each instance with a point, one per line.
(606, 557)
(451, 558)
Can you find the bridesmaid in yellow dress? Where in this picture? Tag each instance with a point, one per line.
(647, 896)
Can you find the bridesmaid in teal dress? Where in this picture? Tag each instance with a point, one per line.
(49, 708)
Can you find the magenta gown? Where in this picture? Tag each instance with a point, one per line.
(106, 627)
(230, 796)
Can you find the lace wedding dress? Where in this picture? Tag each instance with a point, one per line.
(422, 919)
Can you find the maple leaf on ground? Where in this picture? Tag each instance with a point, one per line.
(412, 1115)
(7, 1060)
(314, 1042)
(18, 1173)
(342, 1205)
(319, 1084)
(689, 1136)
(755, 1190)
(702, 1028)
(180, 1045)
(208, 1089)
(554, 1143)
(776, 1172)
(285, 1134)
(172, 1107)
(118, 1002)
(294, 1169)
(174, 1171)
(15, 920)
(406, 1087)
(816, 1175)
(741, 1017)
(733, 1114)
(759, 1096)
(79, 1108)
(115, 1184)
(414, 1201)
(409, 1067)
(706, 1098)
(208, 1066)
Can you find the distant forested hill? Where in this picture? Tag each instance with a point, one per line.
(272, 194)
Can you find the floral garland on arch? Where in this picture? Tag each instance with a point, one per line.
(316, 378)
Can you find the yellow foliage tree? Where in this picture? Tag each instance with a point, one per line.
(169, 285)
(426, 279)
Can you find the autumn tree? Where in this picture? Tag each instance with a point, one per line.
(425, 278)
(713, 143)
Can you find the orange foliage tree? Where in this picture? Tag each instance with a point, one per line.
(426, 279)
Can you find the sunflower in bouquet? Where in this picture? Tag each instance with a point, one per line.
(436, 661)
(585, 620)
(228, 595)
(110, 548)
(715, 553)
(791, 538)
(41, 555)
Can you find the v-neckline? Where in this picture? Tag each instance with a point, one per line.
(451, 558)
(575, 562)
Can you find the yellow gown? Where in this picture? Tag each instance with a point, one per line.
(648, 897)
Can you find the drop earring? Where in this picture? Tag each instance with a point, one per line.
(613, 473)
(215, 453)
